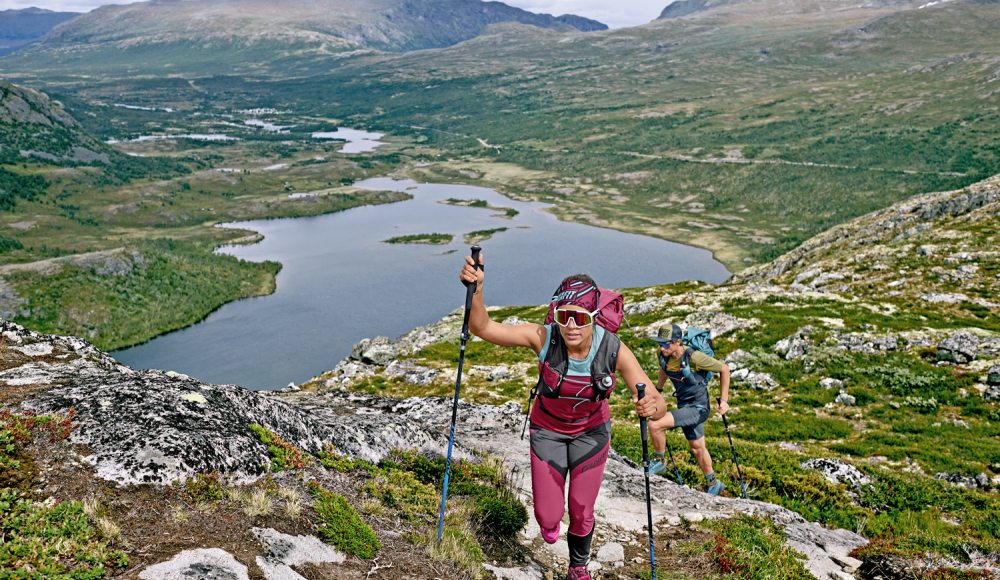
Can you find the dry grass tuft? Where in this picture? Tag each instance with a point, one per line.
(258, 503)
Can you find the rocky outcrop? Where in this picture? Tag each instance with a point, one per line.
(960, 347)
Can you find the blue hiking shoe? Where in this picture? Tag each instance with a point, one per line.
(716, 488)
(657, 467)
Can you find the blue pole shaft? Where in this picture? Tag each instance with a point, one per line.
(451, 437)
(470, 289)
(733, 448)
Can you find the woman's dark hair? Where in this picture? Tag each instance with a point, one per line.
(580, 278)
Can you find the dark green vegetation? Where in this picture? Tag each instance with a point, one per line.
(484, 511)
(341, 525)
(132, 295)
(435, 239)
(45, 541)
(482, 235)
(507, 212)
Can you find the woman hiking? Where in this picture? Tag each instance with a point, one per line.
(571, 418)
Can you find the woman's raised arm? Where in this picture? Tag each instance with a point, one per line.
(527, 335)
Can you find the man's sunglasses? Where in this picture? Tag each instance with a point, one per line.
(579, 317)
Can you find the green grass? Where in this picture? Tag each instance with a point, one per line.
(435, 239)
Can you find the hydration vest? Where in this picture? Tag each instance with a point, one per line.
(553, 382)
(684, 376)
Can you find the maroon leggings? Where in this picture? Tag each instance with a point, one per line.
(582, 457)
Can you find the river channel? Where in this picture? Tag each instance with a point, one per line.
(341, 283)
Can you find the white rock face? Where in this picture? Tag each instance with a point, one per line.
(524, 573)
(297, 550)
(203, 564)
(611, 553)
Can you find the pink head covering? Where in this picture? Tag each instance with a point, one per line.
(577, 293)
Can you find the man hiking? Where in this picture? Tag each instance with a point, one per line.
(571, 419)
(688, 370)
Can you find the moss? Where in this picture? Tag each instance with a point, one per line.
(341, 525)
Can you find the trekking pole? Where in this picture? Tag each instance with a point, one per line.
(671, 452)
(641, 388)
(737, 461)
(470, 289)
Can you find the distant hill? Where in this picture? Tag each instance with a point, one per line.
(699, 8)
(188, 32)
(19, 28)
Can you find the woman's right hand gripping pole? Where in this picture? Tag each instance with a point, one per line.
(527, 335)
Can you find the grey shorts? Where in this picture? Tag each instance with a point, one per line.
(691, 417)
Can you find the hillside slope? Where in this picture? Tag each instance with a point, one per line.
(32, 126)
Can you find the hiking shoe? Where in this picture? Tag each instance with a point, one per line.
(550, 536)
(657, 467)
(578, 573)
(716, 488)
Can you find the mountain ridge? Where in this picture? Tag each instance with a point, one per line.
(19, 28)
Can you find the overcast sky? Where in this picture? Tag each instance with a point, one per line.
(614, 13)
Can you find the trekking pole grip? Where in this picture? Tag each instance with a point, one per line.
(475, 263)
(641, 388)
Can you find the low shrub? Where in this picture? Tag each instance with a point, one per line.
(284, 455)
(42, 542)
(341, 525)
(753, 547)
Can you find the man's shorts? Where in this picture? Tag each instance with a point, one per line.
(691, 417)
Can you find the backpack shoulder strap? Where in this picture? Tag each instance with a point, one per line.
(604, 365)
(557, 355)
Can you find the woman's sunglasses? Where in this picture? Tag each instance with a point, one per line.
(579, 317)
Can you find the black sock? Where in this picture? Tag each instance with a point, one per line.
(579, 548)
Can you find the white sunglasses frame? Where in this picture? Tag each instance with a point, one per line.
(593, 317)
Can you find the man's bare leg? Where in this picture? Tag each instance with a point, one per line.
(701, 455)
(657, 432)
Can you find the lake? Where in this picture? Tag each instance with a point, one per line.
(341, 283)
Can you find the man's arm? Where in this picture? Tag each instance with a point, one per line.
(661, 379)
(652, 405)
(724, 395)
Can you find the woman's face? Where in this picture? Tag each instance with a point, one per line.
(573, 335)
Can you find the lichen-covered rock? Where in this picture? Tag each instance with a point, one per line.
(945, 297)
(738, 359)
(411, 372)
(719, 323)
(960, 347)
(831, 383)
(980, 481)
(844, 399)
(993, 378)
(796, 345)
(754, 380)
(200, 564)
(863, 344)
(837, 471)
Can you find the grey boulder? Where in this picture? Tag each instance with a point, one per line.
(958, 348)
(837, 471)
